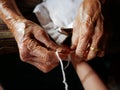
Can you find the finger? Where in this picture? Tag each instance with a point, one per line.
(75, 36)
(25, 49)
(49, 62)
(45, 56)
(84, 39)
(43, 37)
(103, 45)
(98, 32)
(85, 30)
(43, 67)
(42, 53)
(35, 49)
(87, 18)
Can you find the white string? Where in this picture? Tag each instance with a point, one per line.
(68, 63)
(63, 72)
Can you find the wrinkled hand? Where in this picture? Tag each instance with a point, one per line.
(88, 32)
(36, 48)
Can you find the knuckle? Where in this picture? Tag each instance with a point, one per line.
(90, 56)
(24, 56)
(51, 44)
(46, 58)
(47, 68)
(80, 54)
(41, 32)
(49, 63)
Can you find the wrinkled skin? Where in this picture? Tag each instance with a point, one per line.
(88, 30)
(38, 49)
(35, 46)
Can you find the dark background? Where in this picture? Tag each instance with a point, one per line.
(17, 75)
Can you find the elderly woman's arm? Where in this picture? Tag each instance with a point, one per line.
(34, 44)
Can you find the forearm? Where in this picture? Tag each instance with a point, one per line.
(10, 14)
(88, 77)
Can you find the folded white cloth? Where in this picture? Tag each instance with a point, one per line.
(56, 14)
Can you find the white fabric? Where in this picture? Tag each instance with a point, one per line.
(56, 14)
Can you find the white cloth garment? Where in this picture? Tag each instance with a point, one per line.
(56, 14)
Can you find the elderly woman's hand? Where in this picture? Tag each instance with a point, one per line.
(36, 47)
(88, 31)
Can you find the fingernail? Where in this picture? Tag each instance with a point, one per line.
(59, 49)
(73, 47)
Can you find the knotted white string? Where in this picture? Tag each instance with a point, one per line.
(62, 68)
